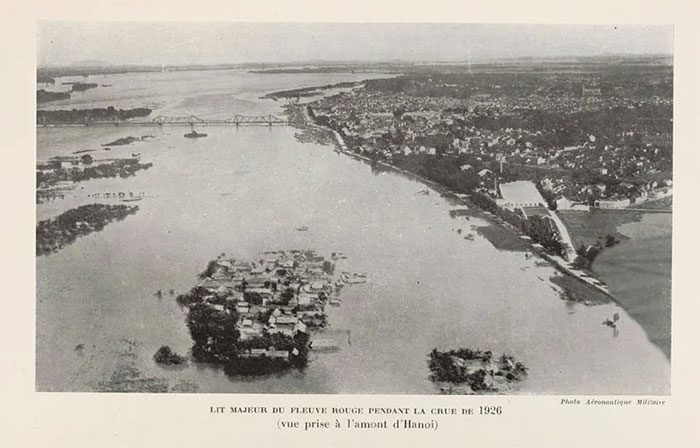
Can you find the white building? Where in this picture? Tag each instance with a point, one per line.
(521, 193)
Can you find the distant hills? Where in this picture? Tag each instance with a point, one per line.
(97, 67)
(90, 63)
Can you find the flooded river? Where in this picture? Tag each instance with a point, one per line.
(241, 191)
(638, 271)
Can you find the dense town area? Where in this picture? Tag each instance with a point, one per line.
(522, 143)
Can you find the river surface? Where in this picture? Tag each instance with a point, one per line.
(638, 271)
(245, 190)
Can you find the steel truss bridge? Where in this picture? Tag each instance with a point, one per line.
(187, 120)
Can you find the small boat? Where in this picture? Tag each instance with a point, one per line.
(302, 229)
(335, 302)
(195, 134)
(324, 345)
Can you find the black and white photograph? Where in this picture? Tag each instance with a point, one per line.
(354, 208)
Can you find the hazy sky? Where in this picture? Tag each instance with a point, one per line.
(210, 43)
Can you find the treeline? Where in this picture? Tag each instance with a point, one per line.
(539, 228)
(55, 233)
(127, 140)
(87, 115)
(82, 86)
(117, 168)
(613, 80)
(309, 91)
(45, 96)
(294, 70)
(457, 85)
(216, 339)
(442, 170)
(587, 254)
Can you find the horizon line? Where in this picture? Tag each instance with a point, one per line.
(475, 60)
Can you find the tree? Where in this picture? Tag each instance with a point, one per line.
(610, 241)
(254, 298)
(214, 332)
(164, 355)
(287, 295)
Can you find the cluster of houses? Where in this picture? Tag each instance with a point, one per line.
(599, 195)
(282, 292)
(435, 126)
(65, 163)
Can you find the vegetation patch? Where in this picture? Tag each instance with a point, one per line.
(474, 371)
(55, 233)
(83, 116)
(166, 356)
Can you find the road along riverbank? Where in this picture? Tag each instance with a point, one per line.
(562, 264)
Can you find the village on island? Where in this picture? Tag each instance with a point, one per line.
(265, 316)
(257, 317)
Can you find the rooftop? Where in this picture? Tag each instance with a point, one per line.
(521, 192)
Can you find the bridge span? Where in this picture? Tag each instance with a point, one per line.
(187, 120)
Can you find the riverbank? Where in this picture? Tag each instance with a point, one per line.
(639, 273)
(637, 269)
(558, 262)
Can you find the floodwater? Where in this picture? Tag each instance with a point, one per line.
(638, 271)
(245, 190)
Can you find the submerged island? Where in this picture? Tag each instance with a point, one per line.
(75, 169)
(258, 317)
(124, 141)
(83, 116)
(61, 172)
(81, 86)
(55, 233)
(473, 371)
(311, 91)
(44, 96)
